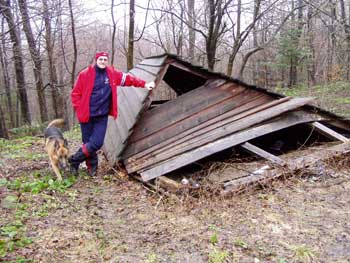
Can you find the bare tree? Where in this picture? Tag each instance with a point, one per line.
(177, 28)
(311, 68)
(6, 78)
(35, 55)
(293, 71)
(114, 29)
(57, 99)
(347, 36)
(5, 10)
(236, 39)
(331, 40)
(75, 49)
(130, 54)
(3, 128)
(191, 31)
(216, 28)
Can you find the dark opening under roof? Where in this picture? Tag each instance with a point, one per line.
(182, 81)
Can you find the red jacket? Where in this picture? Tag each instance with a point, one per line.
(84, 84)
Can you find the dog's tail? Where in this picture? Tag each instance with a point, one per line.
(56, 123)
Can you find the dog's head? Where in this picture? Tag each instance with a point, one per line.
(61, 153)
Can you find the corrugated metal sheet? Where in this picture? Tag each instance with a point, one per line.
(130, 103)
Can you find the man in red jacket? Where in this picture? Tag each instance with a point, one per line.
(94, 97)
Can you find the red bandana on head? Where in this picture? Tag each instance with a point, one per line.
(99, 54)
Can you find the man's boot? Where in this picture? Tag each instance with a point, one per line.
(75, 160)
(92, 164)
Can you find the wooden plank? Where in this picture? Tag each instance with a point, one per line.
(161, 85)
(125, 109)
(170, 135)
(329, 132)
(180, 100)
(130, 101)
(183, 107)
(131, 94)
(111, 142)
(199, 73)
(122, 127)
(339, 123)
(218, 130)
(158, 61)
(141, 74)
(142, 94)
(190, 115)
(262, 153)
(267, 174)
(286, 120)
(302, 163)
(193, 123)
(237, 123)
(149, 69)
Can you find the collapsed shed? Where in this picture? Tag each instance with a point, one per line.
(194, 113)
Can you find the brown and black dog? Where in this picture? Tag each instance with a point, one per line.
(56, 147)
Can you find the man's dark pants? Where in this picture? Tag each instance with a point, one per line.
(93, 134)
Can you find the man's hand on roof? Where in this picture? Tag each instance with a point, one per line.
(150, 85)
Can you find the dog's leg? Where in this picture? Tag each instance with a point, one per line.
(56, 170)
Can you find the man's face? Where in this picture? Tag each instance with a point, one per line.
(102, 62)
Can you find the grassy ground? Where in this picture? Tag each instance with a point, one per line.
(333, 97)
(113, 219)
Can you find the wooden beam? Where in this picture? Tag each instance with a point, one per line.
(287, 120)
(217, 131)
(187, 127)
(305, 162)
(184, 106)
(168, 184)
(329, 132)
(262, 153)
(192, 70)
(155, 62)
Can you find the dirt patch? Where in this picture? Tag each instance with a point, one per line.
(108, 219)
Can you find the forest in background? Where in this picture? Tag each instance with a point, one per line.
(271, 43)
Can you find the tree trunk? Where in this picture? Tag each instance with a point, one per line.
(230, 65)
(5, 9)
(237, 40)
(130, 55)
(347, 37)
(3, 128)
(311, 68)
(113, 32)
(5, 73)
(177, 33)
(75, 53)
(255, 44)
(239, 37)
(213, 27)
(245, 60)
(35, 54)
(57, 100)
(59, 72)
(211, 53)
(331, 41)
(293, 70)
(191, 31)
